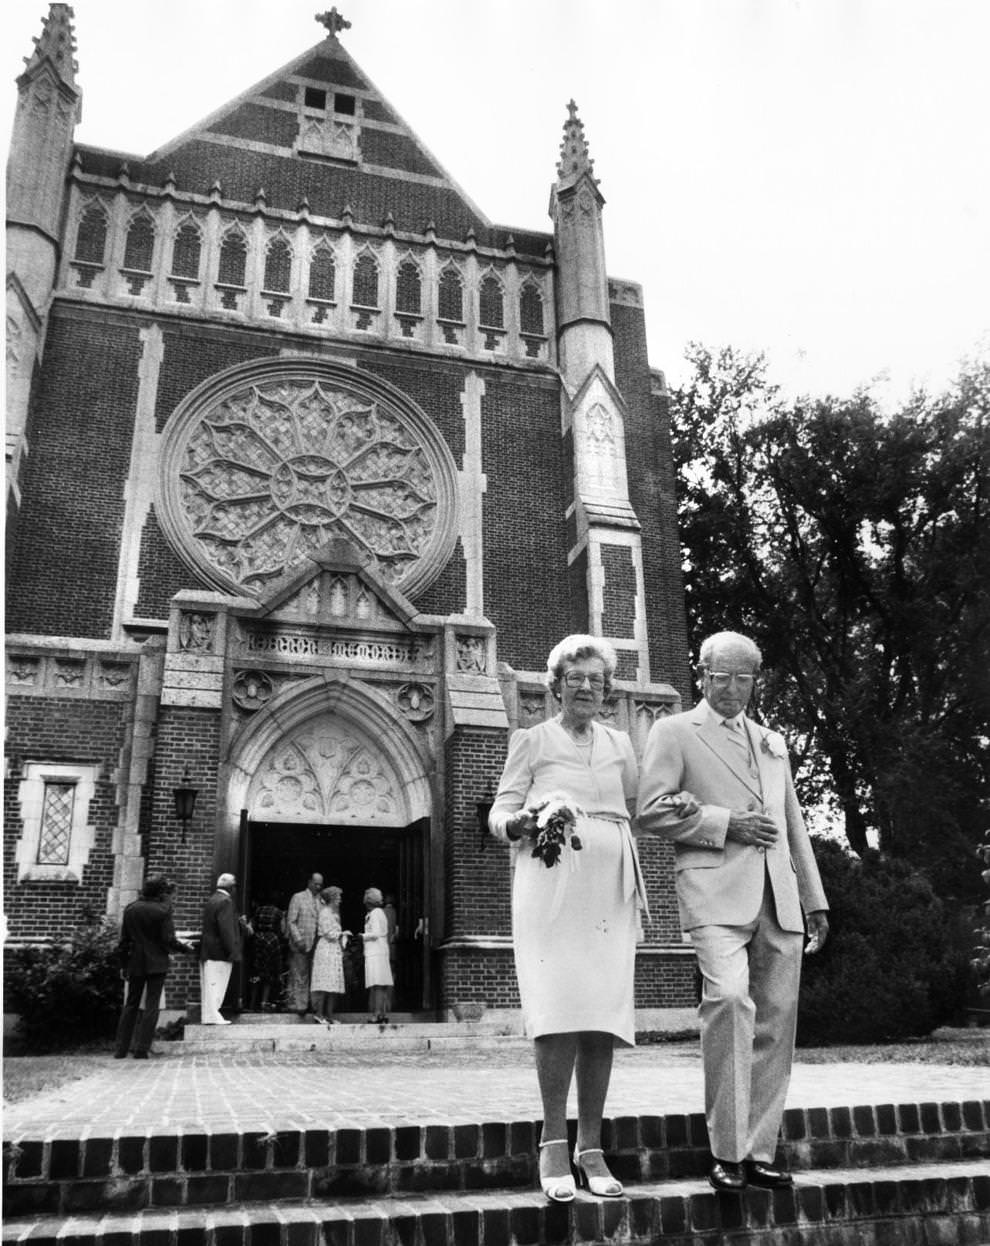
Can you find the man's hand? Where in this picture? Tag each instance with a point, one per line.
(817, 924)
(752, 828)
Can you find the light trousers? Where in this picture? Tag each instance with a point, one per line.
(748, 1016)
(214, 977)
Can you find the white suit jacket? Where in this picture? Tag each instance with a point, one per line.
(720, 881)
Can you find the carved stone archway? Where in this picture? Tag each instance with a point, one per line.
(333, 750)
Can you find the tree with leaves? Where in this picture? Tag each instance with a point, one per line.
(854, 547)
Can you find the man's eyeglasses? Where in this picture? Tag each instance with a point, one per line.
(722, 679)
(575, 679)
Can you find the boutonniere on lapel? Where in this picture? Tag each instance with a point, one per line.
(770, 746)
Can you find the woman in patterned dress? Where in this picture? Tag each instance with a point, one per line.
(327, 979)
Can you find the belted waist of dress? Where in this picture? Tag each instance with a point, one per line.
(631, 874)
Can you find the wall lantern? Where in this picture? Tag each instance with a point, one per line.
(482, 809)
(185, 801)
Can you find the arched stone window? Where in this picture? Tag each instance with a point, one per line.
(278, 266)
(365, 293)
(451, 295)
(409, 288)
(322, 274)
(491, 303)
(233, 258)
(530, 309)
(140, 248)
(91, 237)
(186, 251)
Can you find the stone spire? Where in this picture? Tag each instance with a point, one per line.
(56, 45)
(583, 321)
(607, 546)
(575, 158)
(49, 105)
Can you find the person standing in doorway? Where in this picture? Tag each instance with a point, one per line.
(220, 949)
(718, 786)
(377, 973)
(301, 922)
(327, 980)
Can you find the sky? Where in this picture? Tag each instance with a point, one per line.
(805, 178)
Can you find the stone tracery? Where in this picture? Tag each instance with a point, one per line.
(272, 470)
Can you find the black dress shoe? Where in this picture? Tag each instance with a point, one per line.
(140, 1055)
(766, 1176)
(727, 1174)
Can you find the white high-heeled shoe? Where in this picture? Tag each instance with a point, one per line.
(558, 1189)
(601, 1187)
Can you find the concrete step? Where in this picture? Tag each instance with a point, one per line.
(932, 1205)
(260, 1032)
(133, 1171)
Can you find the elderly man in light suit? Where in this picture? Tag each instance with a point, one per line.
(719, 787)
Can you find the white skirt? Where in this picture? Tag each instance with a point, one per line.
(575, 935)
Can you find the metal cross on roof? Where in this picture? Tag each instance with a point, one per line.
(333, 21)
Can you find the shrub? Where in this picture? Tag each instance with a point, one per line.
(66, 994)
(895, 964)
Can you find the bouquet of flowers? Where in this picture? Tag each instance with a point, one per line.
(556, 818)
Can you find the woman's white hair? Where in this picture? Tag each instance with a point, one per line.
(728, 640)
(373, 896)
(573, 648)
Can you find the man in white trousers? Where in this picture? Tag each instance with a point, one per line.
(718, 786)
(219, 949)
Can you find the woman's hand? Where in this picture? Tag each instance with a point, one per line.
(521, 824)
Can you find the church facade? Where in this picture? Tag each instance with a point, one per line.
(309, 465)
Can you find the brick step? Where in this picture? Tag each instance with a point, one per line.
(134, 1171)
(930, 1205)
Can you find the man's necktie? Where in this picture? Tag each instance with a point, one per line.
(737, 734)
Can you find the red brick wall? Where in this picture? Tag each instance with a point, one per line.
(63, 569)
(186, 737)
(477, 880)
(61, 730)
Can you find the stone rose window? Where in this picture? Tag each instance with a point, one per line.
(267, 462)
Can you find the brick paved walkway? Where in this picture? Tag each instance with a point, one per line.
(329, 1090)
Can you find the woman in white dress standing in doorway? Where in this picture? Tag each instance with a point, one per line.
(574, 903)
(377, 970)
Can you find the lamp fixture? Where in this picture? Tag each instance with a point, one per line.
(185, 801)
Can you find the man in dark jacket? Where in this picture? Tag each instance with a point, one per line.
(147, 935)
(219, 949)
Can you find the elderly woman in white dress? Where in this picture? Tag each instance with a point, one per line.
(377, 970)
(564, 803)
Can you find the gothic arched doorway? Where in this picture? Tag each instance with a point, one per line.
(329, 779)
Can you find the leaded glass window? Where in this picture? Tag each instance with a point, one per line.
(451, 295)
(186, 251)
(56, 823)
(408, 288)
(233, 259)
(365, 282)
(278, 266)
(91, 239)
(492, 310)
(140, 246)
(530, 309)
(322, 275)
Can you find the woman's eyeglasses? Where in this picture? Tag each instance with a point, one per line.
(575, 679)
